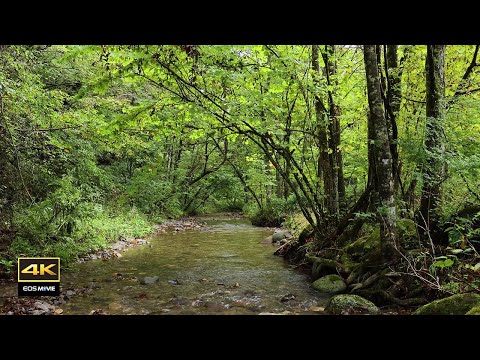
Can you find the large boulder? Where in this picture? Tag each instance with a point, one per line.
(348, 304)
(458, 304)
(331, 284)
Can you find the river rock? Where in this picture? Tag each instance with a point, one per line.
(149, 280)
(280, 235)
(43, 306)
(458, 304)
(347, 304)
(332, 284)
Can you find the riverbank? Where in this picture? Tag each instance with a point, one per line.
(42, 305)
(351, 273)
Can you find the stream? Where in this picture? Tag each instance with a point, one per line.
(222, 268)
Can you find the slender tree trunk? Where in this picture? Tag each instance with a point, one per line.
(170, 160)
(334, 124)
(381, 157)
(327, 166)
(268, 174)
(434, 169)
(288, 164)
(394, 95)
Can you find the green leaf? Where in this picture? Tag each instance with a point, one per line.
(448, 262)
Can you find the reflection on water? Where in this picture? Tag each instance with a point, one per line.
(220, 269)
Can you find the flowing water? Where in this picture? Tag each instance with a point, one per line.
(223, 268)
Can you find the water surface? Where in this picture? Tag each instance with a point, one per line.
(223, 268)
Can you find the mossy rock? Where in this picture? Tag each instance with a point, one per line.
(350, 304)
(458, 304)
(364, 244)
(474, 311)
(331, 284)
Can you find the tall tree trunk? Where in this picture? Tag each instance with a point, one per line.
(434, 169)
(268, 174)
(327, 166)
(381, 175)
(288, 164)
(170, 154)
(394, 94)
(334, 124)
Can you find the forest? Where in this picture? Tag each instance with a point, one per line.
(366, 157)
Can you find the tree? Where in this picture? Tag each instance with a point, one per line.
(329, 58)
(326, 162)
(380, 164)
(434, 166)
(393, 99)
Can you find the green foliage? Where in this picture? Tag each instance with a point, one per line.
(443, 262)
(6, 266)
(274, 213)
(95, 139)
(92, 233)
(57, 215)
(151, 194)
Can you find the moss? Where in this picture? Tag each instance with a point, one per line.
(365, 249)
(364, 244)
(332, 284)
(350, 304)
(323, 266)
(474, 311)
(297, 223)
(458, 304)
(347, 262)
